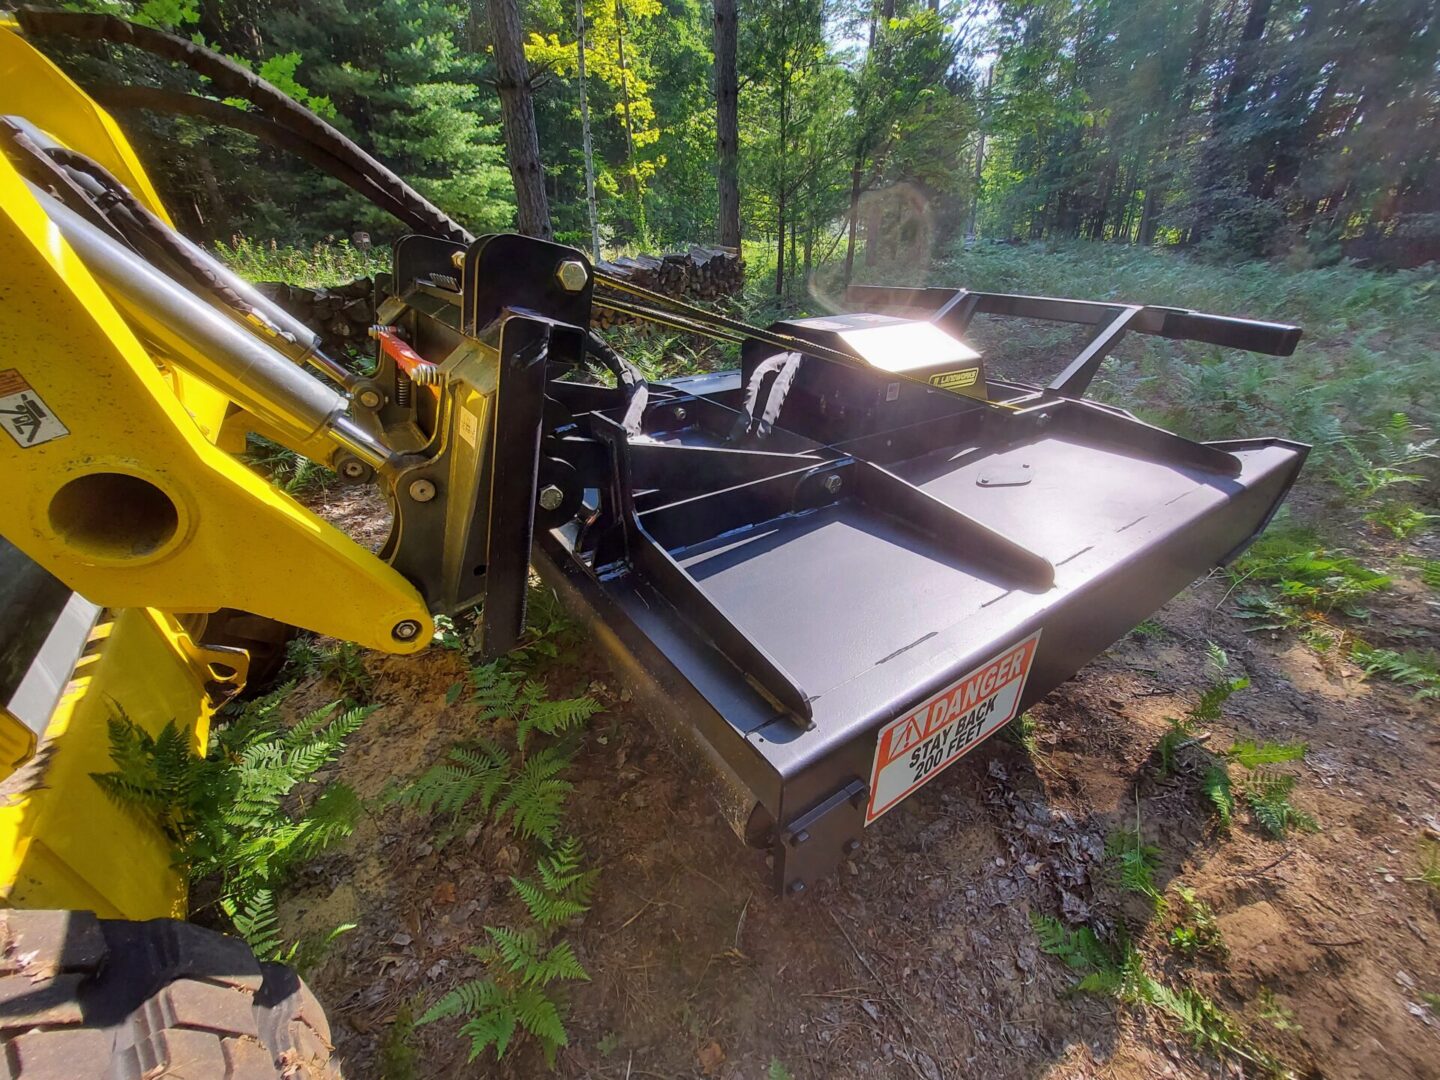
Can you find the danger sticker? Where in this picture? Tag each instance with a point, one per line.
(24, 415)
(916, 748)
(956, 380)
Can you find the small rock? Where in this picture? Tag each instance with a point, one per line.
(401, 940)
(711, 1057)
(870, 1010)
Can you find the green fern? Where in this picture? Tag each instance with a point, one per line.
(1134, 864)
(1268, 794)
(513, 995)
(231, 815)
(536, 799)
(1252, 755)
(563, 891)
(554, 717)
(477, 772)
(1217, 790)
(1079, 949)
(1415, 669)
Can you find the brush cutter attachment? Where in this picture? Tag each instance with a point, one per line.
(832, 572)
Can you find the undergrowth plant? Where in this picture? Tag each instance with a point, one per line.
(1291, 579)
(287, 470)
(342, 662)
(1120, 972)
(1416, 669)
(1263, 789)
(513, 779)
(1183, 730)
(236, 815)
(1197, 933)
(1134, 864)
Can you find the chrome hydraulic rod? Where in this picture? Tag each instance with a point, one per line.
(198, 337)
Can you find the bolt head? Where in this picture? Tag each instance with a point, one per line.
(352, 468)
(457, 260)
(681, 414)
(422, 491)
(551, 497)
(832, 483)
(572, 275)
(370, 399)
(405, 630)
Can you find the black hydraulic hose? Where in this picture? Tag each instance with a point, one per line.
(176, 103)
(231, 79)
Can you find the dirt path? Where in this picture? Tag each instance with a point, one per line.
(920, 960)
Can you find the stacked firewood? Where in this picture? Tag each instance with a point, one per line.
(702, 273)
(342, 315)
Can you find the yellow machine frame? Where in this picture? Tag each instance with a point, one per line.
(138, 508)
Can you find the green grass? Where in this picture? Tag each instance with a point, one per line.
(1369, 350)
(331, 263)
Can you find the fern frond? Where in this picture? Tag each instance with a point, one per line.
(540, 1016)
(257, 921)
(466, 999)
(559, 963)
(1216, 787)
(518, 951)
(554, 717)
(494, 1027)
(536, 799)
(1252, 755)
(1079, 949)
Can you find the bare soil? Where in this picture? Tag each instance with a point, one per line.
(920, 959)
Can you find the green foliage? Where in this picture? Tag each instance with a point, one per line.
(1400, 519)
(1080, 948)
(1415, 669)
(1274, 1013)
(778, 1071)
(287, 470)
(1384, 458)
(1134, 864)
(1197, 932)
(1215, 785)
(1251, 755)
(321, 265)
(1430, 573)
(1268, 794)
(1021, 731)
(231, 815)
(475, 773)
(513, 995)
(1429, 870)
(536, 797)
(1121, 973)
(1205, 711)
(563, 891)
(1302, 580)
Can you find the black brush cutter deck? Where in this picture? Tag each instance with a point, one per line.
(832, 572)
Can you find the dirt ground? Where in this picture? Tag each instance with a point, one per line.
(919, 959)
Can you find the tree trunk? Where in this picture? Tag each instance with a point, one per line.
(780, 244)
(522, 143)
(629, 124)
(587, 142)
(855, 175)
(727, 124)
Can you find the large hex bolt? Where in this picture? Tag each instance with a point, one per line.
(551, 497)
(422, 490)
(572, 275)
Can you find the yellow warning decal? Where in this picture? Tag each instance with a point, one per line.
(956, 380)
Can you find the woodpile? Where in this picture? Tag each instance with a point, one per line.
(701, 273)
(342, 315)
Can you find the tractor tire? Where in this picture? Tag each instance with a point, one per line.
(83, 998)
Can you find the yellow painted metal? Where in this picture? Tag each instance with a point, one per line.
(63, 844)
(135, 507)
